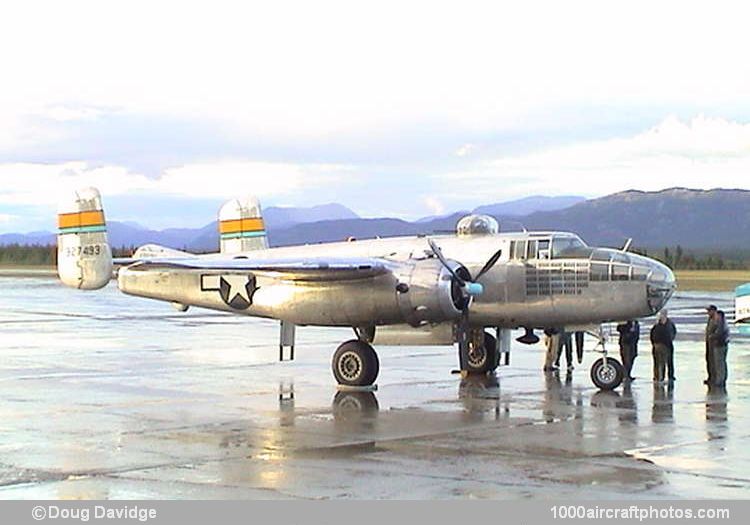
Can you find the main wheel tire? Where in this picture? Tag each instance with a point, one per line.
(609, 375)
(483, 359)
(355, 363)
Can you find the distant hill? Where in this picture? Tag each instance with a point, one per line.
(717, 220)
(129, 233)
(529, 205)
(280, 217)
(518, 207)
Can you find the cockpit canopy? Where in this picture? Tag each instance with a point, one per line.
(555, 246)
(565, 246)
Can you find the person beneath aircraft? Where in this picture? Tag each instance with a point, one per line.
(661, 341)
(630, 333)
(718, 345)
(552, 341)
(566, 343)
(670, 349)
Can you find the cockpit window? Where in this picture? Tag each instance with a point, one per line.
(570, 248)
(620, 257)
(518, 250)
(601, 255)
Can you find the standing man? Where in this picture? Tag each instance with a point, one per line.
(552, 340)
(711, 326)
(661, 339)
(629, 332)
(670, 347)
(566, 343)
(720, 342)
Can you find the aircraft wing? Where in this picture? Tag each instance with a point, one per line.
(151, 251)
(307, 269)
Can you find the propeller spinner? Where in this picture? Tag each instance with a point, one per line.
(469, 286)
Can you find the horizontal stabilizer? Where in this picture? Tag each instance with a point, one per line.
(151, 251)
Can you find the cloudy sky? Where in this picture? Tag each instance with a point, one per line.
(392, 108)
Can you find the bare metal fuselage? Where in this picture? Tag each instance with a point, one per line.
(533, 292)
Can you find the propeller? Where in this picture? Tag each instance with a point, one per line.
(470, 287)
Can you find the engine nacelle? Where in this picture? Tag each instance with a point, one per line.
(428, 293)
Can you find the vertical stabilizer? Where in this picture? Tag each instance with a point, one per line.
(241, 226)
(84, 258)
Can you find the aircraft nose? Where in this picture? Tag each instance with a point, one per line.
(660, 286)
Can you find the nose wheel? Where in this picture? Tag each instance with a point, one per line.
(607, 373)
(355, 363)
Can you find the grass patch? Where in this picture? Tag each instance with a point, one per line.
(711, 280)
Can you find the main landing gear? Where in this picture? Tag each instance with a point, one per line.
(355, 363)
(478, 354)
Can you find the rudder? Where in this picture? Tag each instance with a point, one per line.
(241, 226)
(84, 257)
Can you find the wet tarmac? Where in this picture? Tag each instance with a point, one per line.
(106, 396)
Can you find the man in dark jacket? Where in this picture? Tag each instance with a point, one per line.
(629, 332)
(662, 336)
(719, 339)
(711, 327)
(670, 348)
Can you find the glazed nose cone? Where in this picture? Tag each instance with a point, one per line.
(661, 284)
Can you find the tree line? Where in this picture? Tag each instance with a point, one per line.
(41, 254)
(676, 258)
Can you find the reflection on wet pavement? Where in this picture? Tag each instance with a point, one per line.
(112, 397)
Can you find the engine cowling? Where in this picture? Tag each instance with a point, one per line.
(428, 293)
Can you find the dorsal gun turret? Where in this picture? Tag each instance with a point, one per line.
(477, 225)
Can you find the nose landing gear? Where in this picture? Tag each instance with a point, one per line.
(607, 373)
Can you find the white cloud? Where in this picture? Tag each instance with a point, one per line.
(6, 218)
(45, 184)
(69, 114)
(466, 150)
(38, 184)
(290, 69)
(434, 204)
(227, 179)
(700, 153)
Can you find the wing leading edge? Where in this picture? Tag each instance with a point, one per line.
(311, 269)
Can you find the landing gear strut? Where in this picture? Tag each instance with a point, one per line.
(478, 353)
(607, 373)
(355, 363)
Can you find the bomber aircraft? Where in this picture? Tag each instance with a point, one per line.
(448, 289)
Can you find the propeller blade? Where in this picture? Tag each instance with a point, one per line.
(489, 264)
(439, 254)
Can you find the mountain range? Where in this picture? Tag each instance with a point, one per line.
(717, 220)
